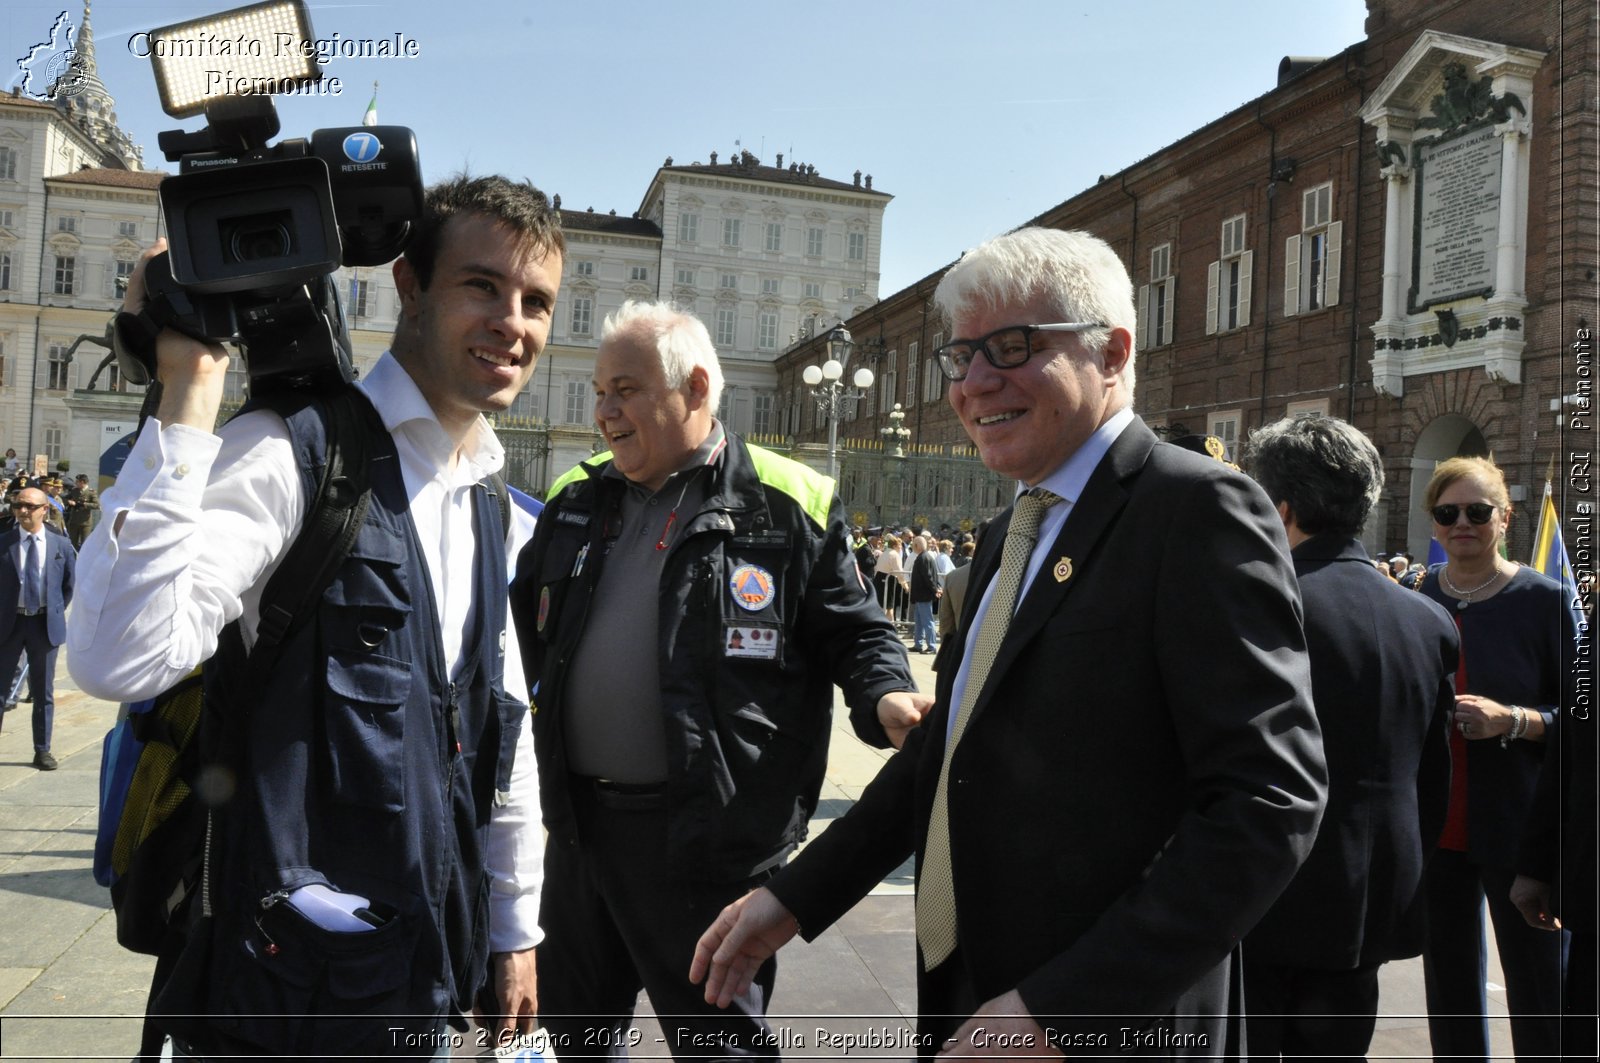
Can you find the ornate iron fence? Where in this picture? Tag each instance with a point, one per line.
(929, 486)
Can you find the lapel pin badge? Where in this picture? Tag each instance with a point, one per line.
(1063, 570)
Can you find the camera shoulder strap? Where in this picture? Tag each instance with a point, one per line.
(333, 515)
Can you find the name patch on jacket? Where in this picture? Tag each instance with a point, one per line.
(752, 587)
(567, 516)
(750, 641)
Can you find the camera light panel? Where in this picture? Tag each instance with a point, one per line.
(263, 48)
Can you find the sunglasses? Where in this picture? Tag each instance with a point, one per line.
(1477, 513)
(26, 507)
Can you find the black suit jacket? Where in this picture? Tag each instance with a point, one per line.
(1383, 663)
(1142, 772)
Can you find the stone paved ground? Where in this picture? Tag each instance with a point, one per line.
(67, 991)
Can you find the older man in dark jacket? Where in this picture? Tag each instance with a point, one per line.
(687, 604)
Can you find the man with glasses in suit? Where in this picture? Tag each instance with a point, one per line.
(35, 587)
(1122, 768)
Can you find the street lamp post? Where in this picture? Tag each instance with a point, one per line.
(895, 434)
(829, 390)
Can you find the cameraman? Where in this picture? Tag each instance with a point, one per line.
(368, 764)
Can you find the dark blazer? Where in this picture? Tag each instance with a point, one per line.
(1513, 648)
(1383, 663)
(1141, 774)
(59, 565)
(925, 579)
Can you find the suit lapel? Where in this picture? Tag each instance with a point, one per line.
(985, 563)
(1103, 498)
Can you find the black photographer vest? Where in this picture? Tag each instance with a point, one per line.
(365, 768)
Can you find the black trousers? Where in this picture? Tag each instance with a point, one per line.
(615, 922)
(1296, 1011)
(31, 635)
(1455, 963)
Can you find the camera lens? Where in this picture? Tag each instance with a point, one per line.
(254, 244)
(258, 238)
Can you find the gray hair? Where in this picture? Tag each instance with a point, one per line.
(1325, 468)
(1077, 271)
(680, 339)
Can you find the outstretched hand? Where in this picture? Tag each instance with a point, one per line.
(900, 711)
(745, 935)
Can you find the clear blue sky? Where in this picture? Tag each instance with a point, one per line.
(974, 116)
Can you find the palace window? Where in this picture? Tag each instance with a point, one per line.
(65, 275)
(1228, 280)
(1155, 300)
(582, 315)
(1311, 258)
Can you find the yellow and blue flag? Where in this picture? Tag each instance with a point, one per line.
(1549, 552)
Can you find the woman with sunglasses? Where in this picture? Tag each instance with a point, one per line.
(1508, 694)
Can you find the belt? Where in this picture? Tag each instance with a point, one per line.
(621, 796)
(30, 612)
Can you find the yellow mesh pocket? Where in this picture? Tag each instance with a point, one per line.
(156, 789)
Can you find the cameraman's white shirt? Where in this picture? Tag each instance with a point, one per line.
(204, 521)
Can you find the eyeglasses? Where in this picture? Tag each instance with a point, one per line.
(1006, 348)
(26, 507)
(1477, 513)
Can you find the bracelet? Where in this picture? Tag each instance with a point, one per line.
(1519, 726)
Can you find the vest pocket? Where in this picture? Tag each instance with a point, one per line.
(322, 993)
(364, 719)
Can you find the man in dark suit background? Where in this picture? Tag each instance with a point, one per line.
(35, 587)
(1135, 770)
(1382, 676)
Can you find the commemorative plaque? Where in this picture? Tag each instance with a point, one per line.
(1457, 217)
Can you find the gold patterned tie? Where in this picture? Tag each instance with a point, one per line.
(936, 898)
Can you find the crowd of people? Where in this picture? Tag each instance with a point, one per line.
(72, 507)
(1193, 770)
(892, 556)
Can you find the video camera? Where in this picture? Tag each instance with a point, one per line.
(255, 233)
